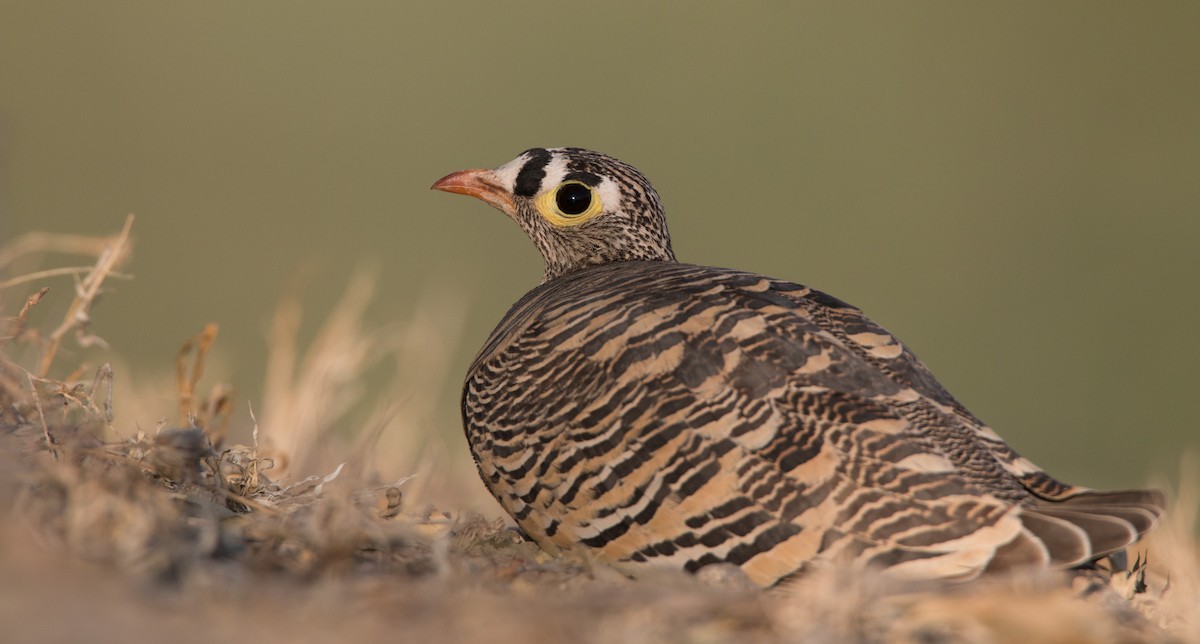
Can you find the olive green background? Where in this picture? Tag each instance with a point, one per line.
(1012, 188)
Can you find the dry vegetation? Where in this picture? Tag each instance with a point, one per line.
(111, 533)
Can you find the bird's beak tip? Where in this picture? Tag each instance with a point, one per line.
(453, 182)
(481, 184)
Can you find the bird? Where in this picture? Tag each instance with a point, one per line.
(654, 413)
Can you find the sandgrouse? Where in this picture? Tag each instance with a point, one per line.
(680, 415)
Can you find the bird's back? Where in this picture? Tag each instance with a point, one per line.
(684, 415)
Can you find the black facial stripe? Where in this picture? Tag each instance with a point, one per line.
(529, 179)
(586, 178)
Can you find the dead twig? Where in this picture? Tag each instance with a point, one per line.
(86, 291)
(42, 242)
(18, 323)
(37, 402)
(218, 412)
(55, 272)
(31, 302)
(187, 385)
(104, 374)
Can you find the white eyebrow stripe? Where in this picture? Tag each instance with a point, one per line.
(609, 193)
(507, 173)
(556, 171)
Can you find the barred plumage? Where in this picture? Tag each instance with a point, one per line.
(666, 413)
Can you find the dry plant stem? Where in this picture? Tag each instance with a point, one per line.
(254, 462)
(55, 272)
(147, 468)
(42, 242)
(86, 294)
(217, 412)
(75, 374)
(302, 407)
(187, 386)
(104, 374)
(37, 402)
(18, 323)
(31, 302)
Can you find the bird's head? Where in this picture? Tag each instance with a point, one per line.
(580, 208)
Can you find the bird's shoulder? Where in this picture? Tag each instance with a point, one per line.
(593, 314)
(705, 333)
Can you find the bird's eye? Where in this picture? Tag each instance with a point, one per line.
(573, 199)
(572, 203)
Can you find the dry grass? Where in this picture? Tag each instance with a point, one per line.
(113, 534)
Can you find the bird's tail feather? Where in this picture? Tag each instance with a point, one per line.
(1082, 528)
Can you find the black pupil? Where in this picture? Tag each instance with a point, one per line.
(573, 198)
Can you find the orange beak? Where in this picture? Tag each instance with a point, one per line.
(481, 184)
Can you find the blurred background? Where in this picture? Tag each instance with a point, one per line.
(1013, 189)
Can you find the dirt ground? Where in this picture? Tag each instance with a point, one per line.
(143, 541)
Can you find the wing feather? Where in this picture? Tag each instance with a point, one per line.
(668, 413)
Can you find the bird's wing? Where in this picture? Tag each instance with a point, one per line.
(1136, 511)
(883, 351)
(687, 415)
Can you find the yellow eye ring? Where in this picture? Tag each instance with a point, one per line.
(570, 204)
